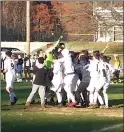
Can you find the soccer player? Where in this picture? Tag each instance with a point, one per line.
(97, 81)
(57, 80)
(108, 69)
(9, 70)
(69, 76)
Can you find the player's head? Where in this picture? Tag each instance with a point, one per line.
(19, 56)
(96, 54)
(61, 46)
(104, 58)
(8, 53)
(41, 60)
(85, 52)
(82, 57)
(49, 45)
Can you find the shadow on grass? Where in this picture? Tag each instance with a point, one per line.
(59, 123)
(116, 102)
(116, 89)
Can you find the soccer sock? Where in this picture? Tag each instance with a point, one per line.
(95, 97)
(11, 97)
(91, 97)
(105, 97)
(13, 94)
(72, 97)
(59, 97)
(100, 99)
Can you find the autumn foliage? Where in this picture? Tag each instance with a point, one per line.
(48, 20)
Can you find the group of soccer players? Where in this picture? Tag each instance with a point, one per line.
(83, 77)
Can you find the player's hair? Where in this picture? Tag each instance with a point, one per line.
(9, 53)
(104, 58)
(85, 52)
(96, 54)
(96, 51)
(61, 45)
(41, 60)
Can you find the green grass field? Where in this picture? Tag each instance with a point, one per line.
(18, 119)
(114, 47)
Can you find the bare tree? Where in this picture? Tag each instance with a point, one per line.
(108, 14)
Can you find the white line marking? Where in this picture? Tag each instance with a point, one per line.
(108, 128)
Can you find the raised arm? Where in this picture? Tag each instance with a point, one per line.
(103, 51)
(55, 45)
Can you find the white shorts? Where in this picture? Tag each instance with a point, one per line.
(10, 81)
(92, 85)
(96, 84)
(57, 88)
(68, 79)
(9, 84)
(106, 86)
(100, 84)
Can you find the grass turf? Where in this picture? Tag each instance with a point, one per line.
(17, 118)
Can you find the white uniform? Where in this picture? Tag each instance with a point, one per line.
(97, 80)
(10, 66)
(69, 74)
(94, 73)
(109, 69)
(57, 77)
(57, 80)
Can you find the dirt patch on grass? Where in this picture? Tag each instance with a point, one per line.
(54, 110)
(115, 112)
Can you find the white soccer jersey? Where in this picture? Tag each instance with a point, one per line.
(10, 66)
(94, 68)
(68, 64)
(58, 75)
(109, 69)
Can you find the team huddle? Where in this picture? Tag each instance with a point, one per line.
(77, 79)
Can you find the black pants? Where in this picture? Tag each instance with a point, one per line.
(116, 76)
(64, 96)
(82, 89)
(27, 73)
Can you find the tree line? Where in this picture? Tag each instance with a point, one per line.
(49, 19)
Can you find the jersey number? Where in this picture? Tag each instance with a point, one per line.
(12, 65)
(97, 67)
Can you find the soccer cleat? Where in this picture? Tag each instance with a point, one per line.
(60, 105)
(27, 104)
(43, 106)
(93, 106)
(12, 103)
(102, 107)
(33, 101)
(15, 99)
(78, 105)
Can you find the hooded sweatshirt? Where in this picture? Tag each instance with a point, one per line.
(40, 72)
